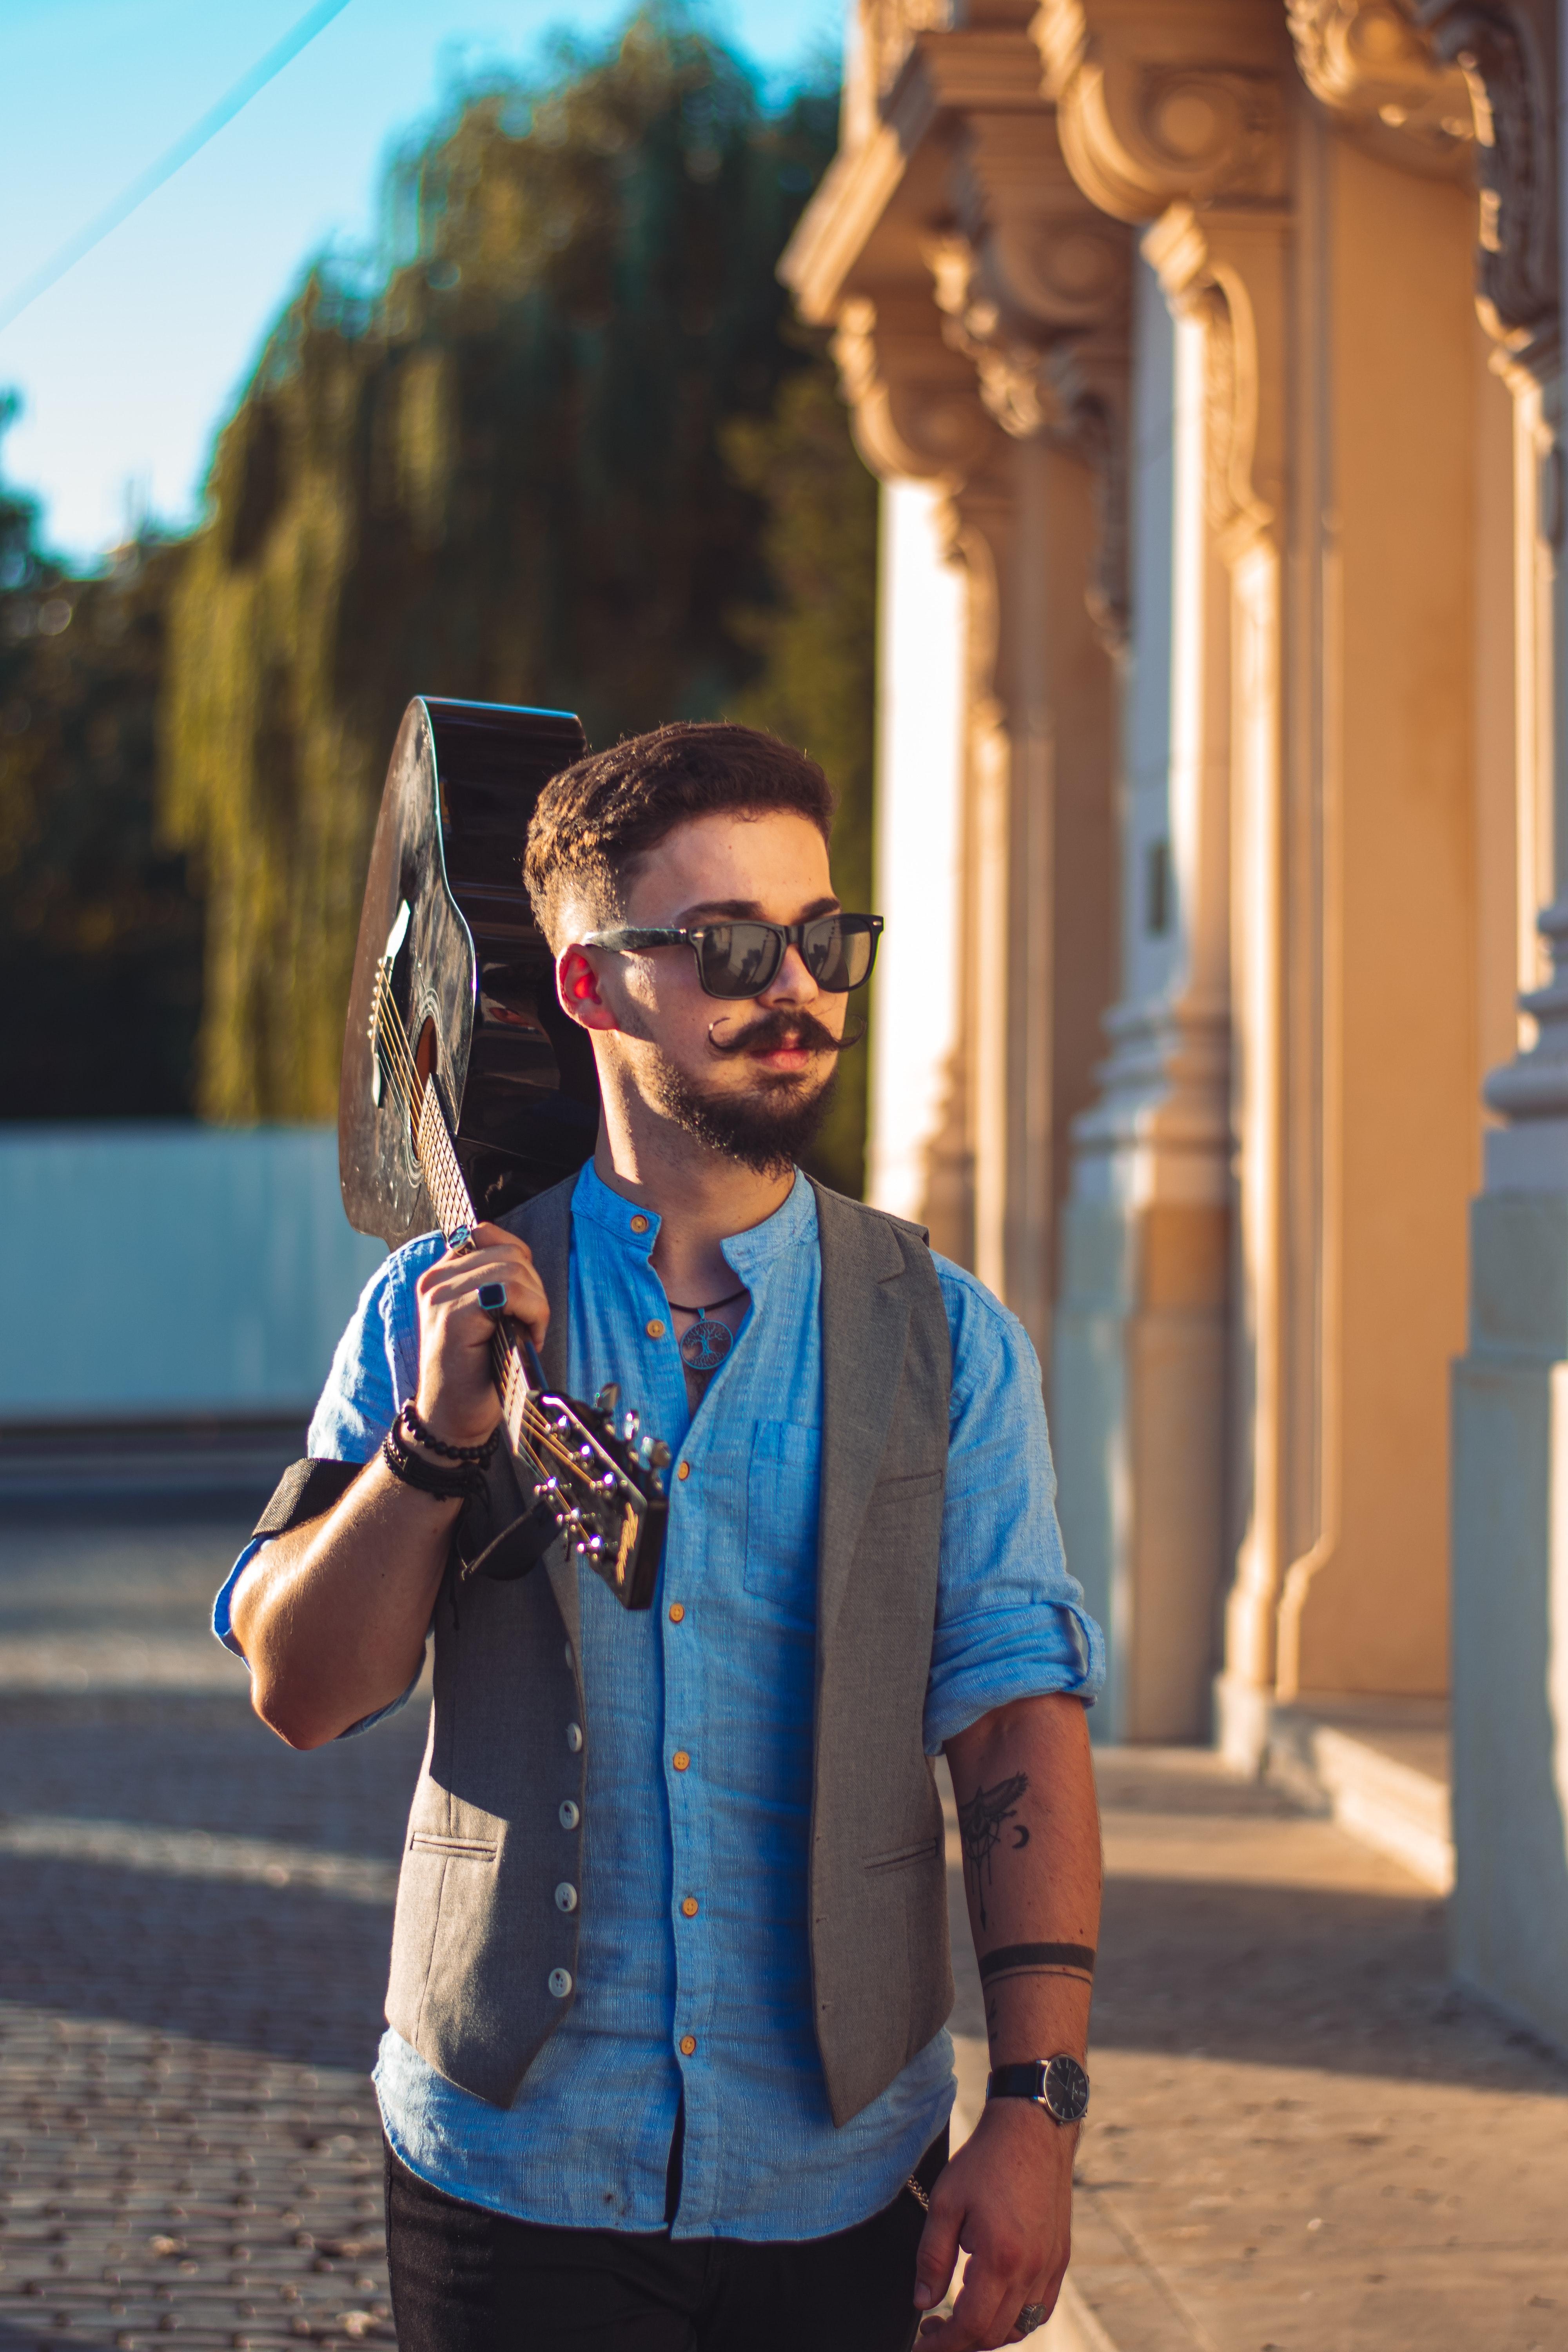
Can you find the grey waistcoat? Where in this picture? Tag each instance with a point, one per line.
(479, 1937)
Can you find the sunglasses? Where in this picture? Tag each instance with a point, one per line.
(743, 958)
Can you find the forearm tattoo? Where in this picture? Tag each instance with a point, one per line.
(982, 1824)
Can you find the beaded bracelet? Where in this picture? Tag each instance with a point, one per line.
(418, 1432)
(410, 1470)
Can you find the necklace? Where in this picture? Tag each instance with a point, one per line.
(704, 1348)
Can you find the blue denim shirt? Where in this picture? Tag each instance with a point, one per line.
(586, 2142)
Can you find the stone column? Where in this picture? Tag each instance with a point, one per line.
(1176, 117)
(1510, 1911)
(979, 309)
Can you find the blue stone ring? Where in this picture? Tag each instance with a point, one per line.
(491, 1296)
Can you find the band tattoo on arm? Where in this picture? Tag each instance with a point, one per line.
(1038, 1959)
(982, 1822)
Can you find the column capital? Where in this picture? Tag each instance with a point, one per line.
(1156, 104)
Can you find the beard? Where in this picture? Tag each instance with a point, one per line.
(769, 1125)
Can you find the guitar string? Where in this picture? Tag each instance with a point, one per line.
(405, 1078)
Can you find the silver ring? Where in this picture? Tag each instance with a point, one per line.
(1032, 2315)
(491, 1296)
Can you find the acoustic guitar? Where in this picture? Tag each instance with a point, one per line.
(465, 1089)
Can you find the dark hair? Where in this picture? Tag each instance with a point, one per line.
(596, 820)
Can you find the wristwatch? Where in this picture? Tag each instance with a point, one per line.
(1058, 2084)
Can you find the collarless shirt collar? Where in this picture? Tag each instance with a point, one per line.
(751, 1253)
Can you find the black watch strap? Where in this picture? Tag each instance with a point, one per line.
(1058, 2084)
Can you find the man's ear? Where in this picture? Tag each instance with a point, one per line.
(577, 988)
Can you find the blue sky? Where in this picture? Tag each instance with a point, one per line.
(128, 364)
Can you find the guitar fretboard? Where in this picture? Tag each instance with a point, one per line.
(454, 1207)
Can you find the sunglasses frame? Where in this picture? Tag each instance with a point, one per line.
(634, 940)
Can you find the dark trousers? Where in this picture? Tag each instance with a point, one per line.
(467, 2281)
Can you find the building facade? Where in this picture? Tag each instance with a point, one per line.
(1208, 351)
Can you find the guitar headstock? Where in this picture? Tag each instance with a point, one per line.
(602, 1479)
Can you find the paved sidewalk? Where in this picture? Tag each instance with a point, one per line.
(194, 1926)
(1300, 2137)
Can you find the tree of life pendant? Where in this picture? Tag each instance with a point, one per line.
(706, 1345)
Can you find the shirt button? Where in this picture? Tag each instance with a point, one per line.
(570, 1816)
(681, 1759)
(566, 1897)
(656, 1329)
(689, 1909)
(688, 2045)
(639, 1225)
(677, 1612)
(560, 1982)
(574, 1736)
(684, 1471)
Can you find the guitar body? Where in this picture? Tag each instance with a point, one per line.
(473, 978)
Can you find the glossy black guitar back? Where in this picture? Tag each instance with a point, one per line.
(474, 977)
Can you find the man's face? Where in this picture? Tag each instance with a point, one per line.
(748, 1076)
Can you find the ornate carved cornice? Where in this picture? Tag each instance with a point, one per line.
(1366, 61)
(1507, 51)
(913, 401)
(1158, 104)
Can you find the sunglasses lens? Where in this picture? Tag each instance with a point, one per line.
(738, 959)
(838, 953)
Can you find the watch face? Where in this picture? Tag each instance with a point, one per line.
(1066, 2088)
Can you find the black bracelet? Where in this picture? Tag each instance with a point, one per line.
(419, 1433)
(428, 1477)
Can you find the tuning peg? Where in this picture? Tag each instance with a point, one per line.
(608, 1398)
(659, 1455)
(630, 1425)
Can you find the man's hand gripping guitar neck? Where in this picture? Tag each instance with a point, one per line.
(333, 1615)
(1030, 1832)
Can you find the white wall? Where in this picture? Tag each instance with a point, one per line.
(167, 1271)
(920, 767)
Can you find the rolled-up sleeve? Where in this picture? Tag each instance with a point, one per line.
(1011, 1622)
(375, 1367)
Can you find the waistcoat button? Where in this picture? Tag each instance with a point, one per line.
(681, 1759)
(656, 1327)
(689, 1909)
(570, 1816)
(639, 1225)
(574, 1736)
(560, 1982)
(677, 1612)
(688, 2045)
(566, 1897)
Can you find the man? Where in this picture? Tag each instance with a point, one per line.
(666, 2065)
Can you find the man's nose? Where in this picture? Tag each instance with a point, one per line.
(792, 983)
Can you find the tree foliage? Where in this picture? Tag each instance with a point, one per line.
(502, 475)
(100, 934)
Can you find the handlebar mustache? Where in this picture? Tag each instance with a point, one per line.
(800, 1030)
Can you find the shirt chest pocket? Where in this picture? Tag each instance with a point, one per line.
(782, 1485)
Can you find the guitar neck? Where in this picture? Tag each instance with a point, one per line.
(455, 1212)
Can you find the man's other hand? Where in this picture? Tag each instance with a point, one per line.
(457, 1397)
(1006, 2199)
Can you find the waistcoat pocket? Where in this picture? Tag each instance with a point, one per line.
(781, 1515)
(463, 1849)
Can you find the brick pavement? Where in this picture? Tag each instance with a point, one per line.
(193, 1927)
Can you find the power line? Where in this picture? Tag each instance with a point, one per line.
(314, 20)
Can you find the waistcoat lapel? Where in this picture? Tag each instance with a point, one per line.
(865, 1321)
(545, 1224)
